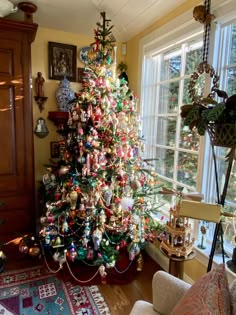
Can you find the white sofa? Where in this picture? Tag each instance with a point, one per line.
(167, 291)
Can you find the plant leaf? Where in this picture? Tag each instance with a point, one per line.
(201, 128)
(185, 109)
(215, 113)
(192, 117)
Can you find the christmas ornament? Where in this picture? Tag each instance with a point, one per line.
(72, 253)
(72, 199)
(97, 237)
(64, 95)
(103, 274)
(35, 250)
(140, 262)
(127, 203)
(23, 248)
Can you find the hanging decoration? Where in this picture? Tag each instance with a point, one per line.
(201, 13)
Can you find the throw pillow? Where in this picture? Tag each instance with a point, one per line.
(209, 295)
(232, 291)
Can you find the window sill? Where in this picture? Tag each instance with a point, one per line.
(202, 255)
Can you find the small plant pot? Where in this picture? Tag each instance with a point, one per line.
(223, 135)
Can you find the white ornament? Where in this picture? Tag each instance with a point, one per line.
(127, 203)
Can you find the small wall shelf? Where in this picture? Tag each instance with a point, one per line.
(60, 119)
(40, 100)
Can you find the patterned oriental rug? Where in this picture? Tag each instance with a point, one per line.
(37, 291)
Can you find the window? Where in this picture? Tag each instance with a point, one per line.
(174, 149)
(182, 159)
(227, 69)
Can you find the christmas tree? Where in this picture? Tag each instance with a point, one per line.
(100, 195)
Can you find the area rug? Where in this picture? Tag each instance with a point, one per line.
(37, 291)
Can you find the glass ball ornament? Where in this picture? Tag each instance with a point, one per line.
(34, 251)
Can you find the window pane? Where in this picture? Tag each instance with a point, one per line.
(232, 50)
(171, 66)
(193, 58)
(166, 131)
(187, 168)
(186, 98)
(169, 98)
(231, 79)
(222, 171)
(165, 162)
(188, 139)
(229, 228)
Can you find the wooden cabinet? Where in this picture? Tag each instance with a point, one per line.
(17, 192)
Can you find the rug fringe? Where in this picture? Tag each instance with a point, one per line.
(100, 302)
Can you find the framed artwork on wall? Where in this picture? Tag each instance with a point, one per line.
(80, 75)
(62, 61)
(55, 149)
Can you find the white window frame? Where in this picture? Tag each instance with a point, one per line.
(182, 27)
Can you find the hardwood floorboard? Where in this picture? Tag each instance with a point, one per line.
(120, 298)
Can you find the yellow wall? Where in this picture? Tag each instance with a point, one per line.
(40, 64)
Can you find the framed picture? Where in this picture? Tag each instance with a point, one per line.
(62, 61)
(55, 149)
(80, 75)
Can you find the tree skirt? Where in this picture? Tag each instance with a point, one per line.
(37, 291)
(83, 273)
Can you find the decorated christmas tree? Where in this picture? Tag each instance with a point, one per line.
(100, 195)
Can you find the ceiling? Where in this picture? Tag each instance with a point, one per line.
(129, 17)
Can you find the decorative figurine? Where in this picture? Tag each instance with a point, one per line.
(41, 129)
(39, 88)
(203, 237)
(64, 95)
(179, 241)
(39, 85)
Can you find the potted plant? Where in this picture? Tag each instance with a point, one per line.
(207, 114)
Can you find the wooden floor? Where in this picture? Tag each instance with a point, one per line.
(120, 298)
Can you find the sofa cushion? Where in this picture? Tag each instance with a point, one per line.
(209, 295)
(232, 291)
(142, 307)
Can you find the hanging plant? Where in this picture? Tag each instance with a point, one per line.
(205, 113)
